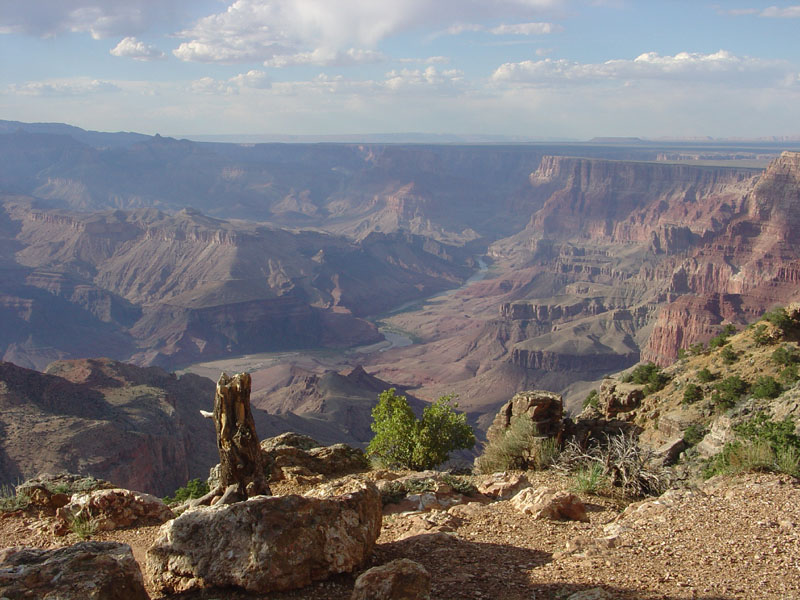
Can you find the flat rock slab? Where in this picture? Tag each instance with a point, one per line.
(268, 543)
(84, 571)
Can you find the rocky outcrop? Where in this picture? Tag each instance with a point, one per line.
(113, 509)
(268, 543)
(85, 571)
(616, 397)
(400, 579)
(752, 265)
(298, 457)
(625, 202)
(547, 503)
(545, 409)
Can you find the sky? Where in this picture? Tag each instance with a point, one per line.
(530, 69)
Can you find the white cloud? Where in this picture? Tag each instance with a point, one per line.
(773, 12)
(76, 87)
(286, 32)
(787, 12)
(100, 18)
(720, 66)
(252, 80)
(130, 47)
(526, 29)
(429, 78)
(326, 58)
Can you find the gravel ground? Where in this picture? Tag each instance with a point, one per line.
(733, 538)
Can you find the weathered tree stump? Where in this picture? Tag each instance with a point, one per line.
(241, 466)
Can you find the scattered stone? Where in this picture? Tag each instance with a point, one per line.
(669, 452)
(401, 579)
(501, 486)
(113, 509)
(616, 397)
(268, 543)
(592, 594)
(437, 521)
(547, 503)
(41, 497)
(85, 571)
(66, 483)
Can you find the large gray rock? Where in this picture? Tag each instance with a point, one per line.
(113, 509)
(85, 571)
(401, 579)
(547, 503)
(268, 543)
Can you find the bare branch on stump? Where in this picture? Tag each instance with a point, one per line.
(241, 466)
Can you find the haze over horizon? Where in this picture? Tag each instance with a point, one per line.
(529, 69)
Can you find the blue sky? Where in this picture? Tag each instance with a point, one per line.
(537, 69)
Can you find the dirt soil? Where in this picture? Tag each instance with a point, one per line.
(733, 538)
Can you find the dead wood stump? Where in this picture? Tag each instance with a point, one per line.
(241, 466)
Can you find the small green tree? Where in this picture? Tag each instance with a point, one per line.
(403, 441)
(692, 393)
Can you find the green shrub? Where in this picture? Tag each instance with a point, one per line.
(786, 356)
(194, 488)
(621, 461)
(82, 526)
(782, 321)
(706, 376)
(592, 399)
(10, 500)
(789, 375)
(766, 387)
(589, 479)
(765, 445)
(463, 485)
(519, 448)
(697, 349)
(694, 434)
(403, 441)
(728, 391)
(760, 335)
(649, 375)
(692, 393)
(729, 355)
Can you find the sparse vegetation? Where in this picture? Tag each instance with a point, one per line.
(592, 399)
(789, 375)
(782, 321)
(649, 375)
(728, 392)
(82, 526)
(729, 355)
(393, 492)
(623, 463)
(786, 356)
(692, 393)
(194, 488)
(761, 336)
(589, 479)
(520, 447)
(766, 445)
(10, 500)
(766, 387)
(706, 376)
(694, 434)
(718, 341)
(401, 440)
(697, 349)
